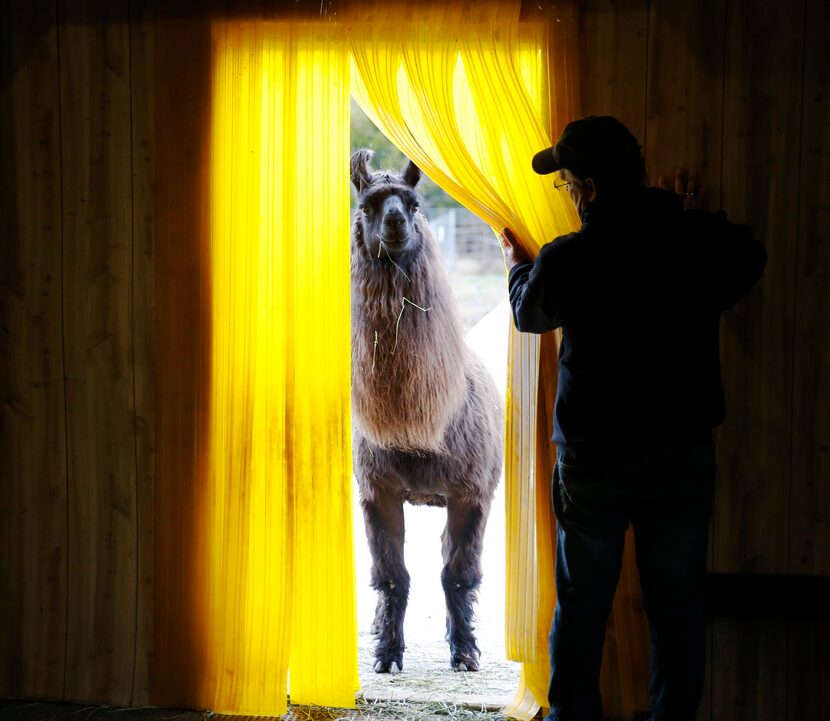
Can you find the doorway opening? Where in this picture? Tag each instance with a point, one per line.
(476, 272)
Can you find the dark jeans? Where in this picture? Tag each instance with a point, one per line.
(665, 492)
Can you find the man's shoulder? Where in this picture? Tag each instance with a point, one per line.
(564, 243)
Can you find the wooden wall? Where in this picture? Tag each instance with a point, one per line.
(738, 90)
(96, 245)
(77, 296)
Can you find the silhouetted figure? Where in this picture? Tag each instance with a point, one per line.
(638, 291)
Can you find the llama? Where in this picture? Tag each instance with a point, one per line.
(427, 415)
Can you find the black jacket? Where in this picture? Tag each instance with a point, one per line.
(638, 291)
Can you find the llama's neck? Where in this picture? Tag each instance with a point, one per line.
(408, 350)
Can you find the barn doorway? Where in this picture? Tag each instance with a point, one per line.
(267, 553)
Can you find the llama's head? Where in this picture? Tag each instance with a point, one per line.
(385, 224)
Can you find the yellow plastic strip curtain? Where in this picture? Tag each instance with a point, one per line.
(280, 587)
(461, 88)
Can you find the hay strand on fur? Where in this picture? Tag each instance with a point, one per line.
(398, 322)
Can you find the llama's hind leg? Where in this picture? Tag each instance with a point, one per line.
(461, 576)
(384, 519)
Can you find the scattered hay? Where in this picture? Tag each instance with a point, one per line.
(379, 710)
(427, 677)
(427, 689)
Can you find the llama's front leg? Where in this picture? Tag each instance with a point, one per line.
(461, 576)
(383, 516)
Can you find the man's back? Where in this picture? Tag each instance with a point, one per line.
(638, 292)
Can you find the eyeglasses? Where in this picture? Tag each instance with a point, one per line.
(563, 184)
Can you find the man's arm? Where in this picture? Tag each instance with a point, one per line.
(742, 264)
(736, 258)
(531, 287)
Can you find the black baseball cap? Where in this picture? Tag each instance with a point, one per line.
(592, 146)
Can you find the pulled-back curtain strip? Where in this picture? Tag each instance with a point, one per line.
(280, 588)
(462, 89)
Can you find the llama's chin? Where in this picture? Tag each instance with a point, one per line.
(393, 245)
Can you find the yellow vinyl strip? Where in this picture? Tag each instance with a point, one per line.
(280, 586)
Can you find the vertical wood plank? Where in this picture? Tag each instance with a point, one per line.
(749, 669)
(97, 218)
(613, 50)
(808, 668)
(762, 129)
(182, 301)
(33, 546)
(808, 692)
(684, 94)
(143, 257)
(809, 551)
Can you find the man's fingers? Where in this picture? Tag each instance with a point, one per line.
(661, 183)
(692, 186)
(507, 237)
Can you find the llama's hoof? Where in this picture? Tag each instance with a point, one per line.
(464, 663)
(386, 665)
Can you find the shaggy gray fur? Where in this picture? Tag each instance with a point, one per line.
(427, 416)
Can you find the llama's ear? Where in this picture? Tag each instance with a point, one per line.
(411, 174)
(361, 175)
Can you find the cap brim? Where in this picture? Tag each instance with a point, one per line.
(546, 162)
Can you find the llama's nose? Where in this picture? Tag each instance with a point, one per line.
(394, 218)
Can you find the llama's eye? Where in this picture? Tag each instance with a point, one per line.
(414, 208)
(367, 210)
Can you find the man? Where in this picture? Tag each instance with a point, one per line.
(638, 291)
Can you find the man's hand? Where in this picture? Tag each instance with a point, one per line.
(687, 186)
(514, 252)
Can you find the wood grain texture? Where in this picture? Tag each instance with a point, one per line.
(182, 302)
(33, 544)
(142, 81)
(808, 662)
(563, 58)
(98, 331)
(749, 669)
(808, 668)
(809, 551)
(613, 52)
(761, 127)
(684, 93)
